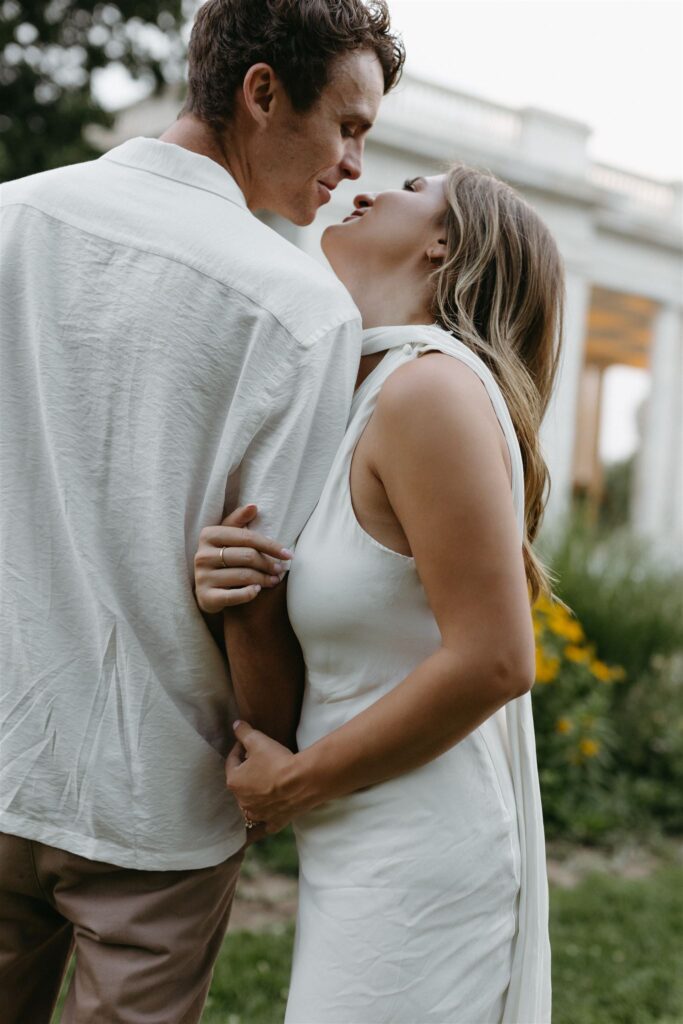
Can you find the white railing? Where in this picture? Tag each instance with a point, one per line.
(638, 191)
(424, 108)
(416, 105)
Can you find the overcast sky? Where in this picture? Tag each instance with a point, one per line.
(618, 66)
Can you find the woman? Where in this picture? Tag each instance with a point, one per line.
(423, 895)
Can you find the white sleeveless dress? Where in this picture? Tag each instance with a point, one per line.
(422, 900)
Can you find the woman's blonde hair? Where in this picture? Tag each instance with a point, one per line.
(500, 290)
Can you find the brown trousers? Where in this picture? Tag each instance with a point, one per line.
(145, 941)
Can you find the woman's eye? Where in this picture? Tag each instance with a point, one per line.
(409, 186)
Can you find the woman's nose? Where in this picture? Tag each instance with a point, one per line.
(364, 199)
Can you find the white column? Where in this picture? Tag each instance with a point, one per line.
(658, 498)
(558, 432)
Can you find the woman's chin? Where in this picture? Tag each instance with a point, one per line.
(328, 242)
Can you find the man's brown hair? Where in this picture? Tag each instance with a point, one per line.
(299, 39)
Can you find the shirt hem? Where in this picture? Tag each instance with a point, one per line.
(120, 856)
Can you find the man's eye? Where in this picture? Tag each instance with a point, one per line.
(346, 131)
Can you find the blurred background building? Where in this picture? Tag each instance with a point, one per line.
(621, 236)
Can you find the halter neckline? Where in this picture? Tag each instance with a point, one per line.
(381, 339)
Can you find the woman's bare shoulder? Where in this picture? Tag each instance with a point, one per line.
(436, 385)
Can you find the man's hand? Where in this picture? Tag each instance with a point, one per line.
(261, 775)
(233, 563)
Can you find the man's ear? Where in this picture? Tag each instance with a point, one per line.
(258, 90)
(437, 252)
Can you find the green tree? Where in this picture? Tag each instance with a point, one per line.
(49, 50)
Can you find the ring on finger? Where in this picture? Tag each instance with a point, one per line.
(223, 558)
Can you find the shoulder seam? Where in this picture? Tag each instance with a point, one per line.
(183, 263)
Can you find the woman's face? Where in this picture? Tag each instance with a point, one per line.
(400, 227)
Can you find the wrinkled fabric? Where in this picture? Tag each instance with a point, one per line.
(165, 356)
(423, 898)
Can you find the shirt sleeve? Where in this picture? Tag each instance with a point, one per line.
(286, 463)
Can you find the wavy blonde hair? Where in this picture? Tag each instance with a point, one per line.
(500, 290)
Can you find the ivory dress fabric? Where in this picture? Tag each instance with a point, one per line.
(423, 900)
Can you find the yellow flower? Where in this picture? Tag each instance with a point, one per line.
(564, 725)
(562, 625)
(575, 653)
(589, 748)
(546, 667)
(544, 604)
(601, 671)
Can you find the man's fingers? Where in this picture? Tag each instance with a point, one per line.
(241, 516)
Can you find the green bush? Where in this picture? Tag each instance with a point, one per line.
(649, 722)
(629, 719)
(629, 605)
(575, 738)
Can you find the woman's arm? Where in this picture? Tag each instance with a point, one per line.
(439, 452)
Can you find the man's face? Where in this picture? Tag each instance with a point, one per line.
(303, 157)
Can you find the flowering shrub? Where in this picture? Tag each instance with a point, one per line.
(574, 735)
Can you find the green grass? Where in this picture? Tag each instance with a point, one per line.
(616, 958)
(276, 853)
(251, 978)
(617, 950)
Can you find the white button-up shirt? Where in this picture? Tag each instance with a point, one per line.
(165, 356)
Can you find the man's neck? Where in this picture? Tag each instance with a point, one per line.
(193, 134)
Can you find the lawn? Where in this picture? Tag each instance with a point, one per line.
(616, 958)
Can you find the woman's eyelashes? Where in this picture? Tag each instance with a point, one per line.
(409, 184)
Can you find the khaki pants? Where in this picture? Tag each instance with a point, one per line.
(145, 941)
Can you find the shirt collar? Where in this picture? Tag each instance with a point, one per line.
(170, 161)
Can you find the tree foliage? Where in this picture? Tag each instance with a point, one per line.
(49, 50)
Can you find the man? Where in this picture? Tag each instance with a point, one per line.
(165, 358)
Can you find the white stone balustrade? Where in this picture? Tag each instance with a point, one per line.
(417, 105)
(662, 199)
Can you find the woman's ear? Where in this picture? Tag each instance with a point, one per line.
(258, 89)
(437, 252)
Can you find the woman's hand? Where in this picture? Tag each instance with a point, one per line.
(261, 775)
(233, 563)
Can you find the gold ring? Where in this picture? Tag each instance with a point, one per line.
(223, 559)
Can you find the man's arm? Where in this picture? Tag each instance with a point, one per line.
(266, 664)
